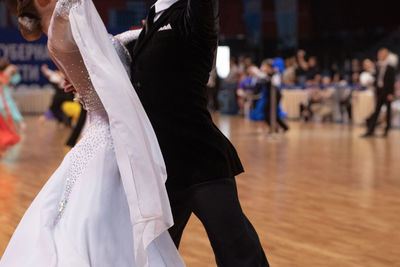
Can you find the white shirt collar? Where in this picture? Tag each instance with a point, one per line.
(162, 5)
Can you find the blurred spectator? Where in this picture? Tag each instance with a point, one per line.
(355, 66)
(241, 64)
(330, 91)
(347, 70)
(342, 105)
(385, 91)
(289, 75)
(234, 74)
(248, 61)
(301, 67)
(335, 71)
(320, 102)
(312, 70)
(227, 95)
(367, 77)
(246, 87)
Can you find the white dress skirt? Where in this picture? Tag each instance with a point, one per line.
(93, 227)
(81, 216)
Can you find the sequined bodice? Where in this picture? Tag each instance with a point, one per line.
(66, 55)
(78, 76)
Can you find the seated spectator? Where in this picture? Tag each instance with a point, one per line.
(320, 102)
(312, 70)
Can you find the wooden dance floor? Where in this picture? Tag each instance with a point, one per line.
(318, 196)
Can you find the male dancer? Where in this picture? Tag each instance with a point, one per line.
(385, 83)
(172, 59)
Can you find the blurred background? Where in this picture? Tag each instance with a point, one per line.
(334, 38)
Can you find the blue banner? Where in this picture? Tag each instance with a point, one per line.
(252, 17)
(286, 17)
(28, 56)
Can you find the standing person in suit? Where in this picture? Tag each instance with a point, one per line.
(385, 80)
(171, 62)
(273, 70)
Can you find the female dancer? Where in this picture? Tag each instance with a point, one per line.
(8, 135)
(10, 77)
(106, 205)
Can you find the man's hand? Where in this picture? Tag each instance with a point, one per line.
(390, 97)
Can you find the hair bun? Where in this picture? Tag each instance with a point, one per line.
(29, 22)
(30, 28)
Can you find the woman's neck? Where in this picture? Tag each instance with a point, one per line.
(47, 16)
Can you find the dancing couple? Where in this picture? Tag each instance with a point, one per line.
(151, 156)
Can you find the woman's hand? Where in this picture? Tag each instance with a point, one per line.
(68, 87)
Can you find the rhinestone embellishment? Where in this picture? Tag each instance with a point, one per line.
(63, 7)
(97, 136)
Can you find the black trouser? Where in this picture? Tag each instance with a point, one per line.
(233, 239)
(345, 105)
(78, 129)
(372, 121)
(58, 99)
(267, 112)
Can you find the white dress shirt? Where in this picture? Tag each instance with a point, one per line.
(161, 6)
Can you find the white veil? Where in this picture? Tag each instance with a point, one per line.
(138, 154)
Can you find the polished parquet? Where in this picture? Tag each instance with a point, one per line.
(318, 196)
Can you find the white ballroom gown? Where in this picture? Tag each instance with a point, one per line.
(106, 205)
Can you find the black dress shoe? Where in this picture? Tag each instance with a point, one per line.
(386, 134)
(367, 135)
